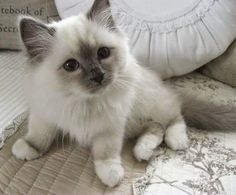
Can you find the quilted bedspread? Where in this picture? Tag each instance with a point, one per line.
(208, 166)
(65, 169)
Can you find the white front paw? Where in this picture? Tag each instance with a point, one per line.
(23, 151)
(109, 171)
(177, 141)
(145, 146)
(143, 152)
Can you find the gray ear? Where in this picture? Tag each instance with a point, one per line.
(36, 37)
(100, 13)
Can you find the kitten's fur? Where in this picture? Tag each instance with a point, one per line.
(130, 101)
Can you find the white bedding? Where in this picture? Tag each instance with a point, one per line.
(11, 93)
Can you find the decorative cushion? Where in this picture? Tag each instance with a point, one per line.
(172, 37)
(10, 9)
(223, 68)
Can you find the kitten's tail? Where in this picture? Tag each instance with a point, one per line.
(205, 115)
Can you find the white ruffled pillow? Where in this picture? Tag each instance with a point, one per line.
(173, 37)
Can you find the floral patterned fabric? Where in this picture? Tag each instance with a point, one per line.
(208, 166)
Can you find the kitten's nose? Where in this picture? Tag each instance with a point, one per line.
(97, 75)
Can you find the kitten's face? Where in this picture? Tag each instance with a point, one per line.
(84, 54)
(91, 57)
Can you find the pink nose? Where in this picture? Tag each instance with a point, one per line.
(98, 75)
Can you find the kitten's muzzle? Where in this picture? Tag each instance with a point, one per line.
(97, 75)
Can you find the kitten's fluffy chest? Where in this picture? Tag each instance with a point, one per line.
(84, 119)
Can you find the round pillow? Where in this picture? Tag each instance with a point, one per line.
(172, 37)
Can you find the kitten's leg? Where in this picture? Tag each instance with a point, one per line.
(106, 151)
(176, 134)
(148, 141)
(37, 140)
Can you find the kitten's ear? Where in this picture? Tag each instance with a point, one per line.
(36, 37)
(100, 13)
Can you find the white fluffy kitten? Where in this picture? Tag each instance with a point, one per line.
(83, 80)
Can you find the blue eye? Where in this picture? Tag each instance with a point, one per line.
(103, 52)
(71, 65)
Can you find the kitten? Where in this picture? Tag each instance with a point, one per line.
(83, 80)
